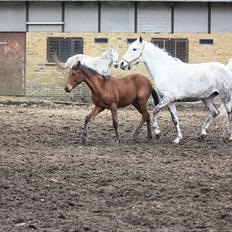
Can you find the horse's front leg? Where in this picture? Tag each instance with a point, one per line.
(96, 110)
(115, 121)
(158, 107)
(175, 120)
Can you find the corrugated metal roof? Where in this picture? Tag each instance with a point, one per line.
(118, 1)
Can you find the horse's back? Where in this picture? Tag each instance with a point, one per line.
(135, 85)
(84, 59)
(136, 80)
(140, 81)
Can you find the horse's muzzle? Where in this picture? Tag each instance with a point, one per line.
(123, 65)
(67, 90)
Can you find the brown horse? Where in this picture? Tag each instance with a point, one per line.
(112, 93)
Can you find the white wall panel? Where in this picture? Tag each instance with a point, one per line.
(154, 17)
(12, 16)
(81, 17)
(221, 17)
(191, 17)
(117, 17)
(45, 12)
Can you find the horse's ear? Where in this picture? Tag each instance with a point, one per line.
(140, 39)
(78, 64)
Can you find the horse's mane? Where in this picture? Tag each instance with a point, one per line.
(105, 54)
(165, 52)
(88, 70)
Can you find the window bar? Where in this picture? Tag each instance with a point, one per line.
(172, 19)
(99, 16)
(62, 15)
(209, 17)
(136, 18)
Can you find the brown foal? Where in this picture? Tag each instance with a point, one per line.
(112, 93)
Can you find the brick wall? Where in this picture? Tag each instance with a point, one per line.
(45, 80)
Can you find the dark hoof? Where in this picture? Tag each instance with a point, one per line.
(157, 136)
(118, 141)
(203, 136)
(148, 140)
(84, 140)
(135, 139)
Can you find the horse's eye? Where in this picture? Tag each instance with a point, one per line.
(134, 49)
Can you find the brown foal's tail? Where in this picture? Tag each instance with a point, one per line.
(155, 97)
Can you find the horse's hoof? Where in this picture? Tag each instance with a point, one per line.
(203, 136)
(117, 140)
(135, 140)
(84, 140)
(176, 141)
(157, 133)
(157, 136)
(148, 140)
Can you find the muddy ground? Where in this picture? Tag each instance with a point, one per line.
(49, 181)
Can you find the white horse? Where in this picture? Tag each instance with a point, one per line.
(177, 81)
(100, 64)
(229, 65)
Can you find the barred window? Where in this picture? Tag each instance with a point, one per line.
(63, 47)
(176, 47)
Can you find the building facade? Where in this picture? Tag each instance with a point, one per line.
(30, 31)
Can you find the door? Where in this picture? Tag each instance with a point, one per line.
(12, 63)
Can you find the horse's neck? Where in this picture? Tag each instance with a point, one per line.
(105, 58)
(94, 83)
(103, 64)
(158, 62)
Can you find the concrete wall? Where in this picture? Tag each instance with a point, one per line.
(45, 80)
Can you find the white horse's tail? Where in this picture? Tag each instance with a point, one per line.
(229, 65)
(58, 63)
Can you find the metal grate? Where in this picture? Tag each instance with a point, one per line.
(206, 41)
(101, 40)
(63, 48)
(176, 47)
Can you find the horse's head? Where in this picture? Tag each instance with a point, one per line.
(75, 77)
(114, 56)
(133, 54)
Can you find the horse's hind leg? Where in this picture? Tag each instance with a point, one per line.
(137, 131)
(226, 99)
(142, 108)
(213, 109)
(230, 121)
(155, 127)
(164, 102)
(92, 114)
(115, 121)
(175, 120)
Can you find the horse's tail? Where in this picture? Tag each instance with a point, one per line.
(155, 96)
(229, 65)
(58, 63)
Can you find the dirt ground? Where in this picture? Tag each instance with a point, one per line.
(50, 182)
